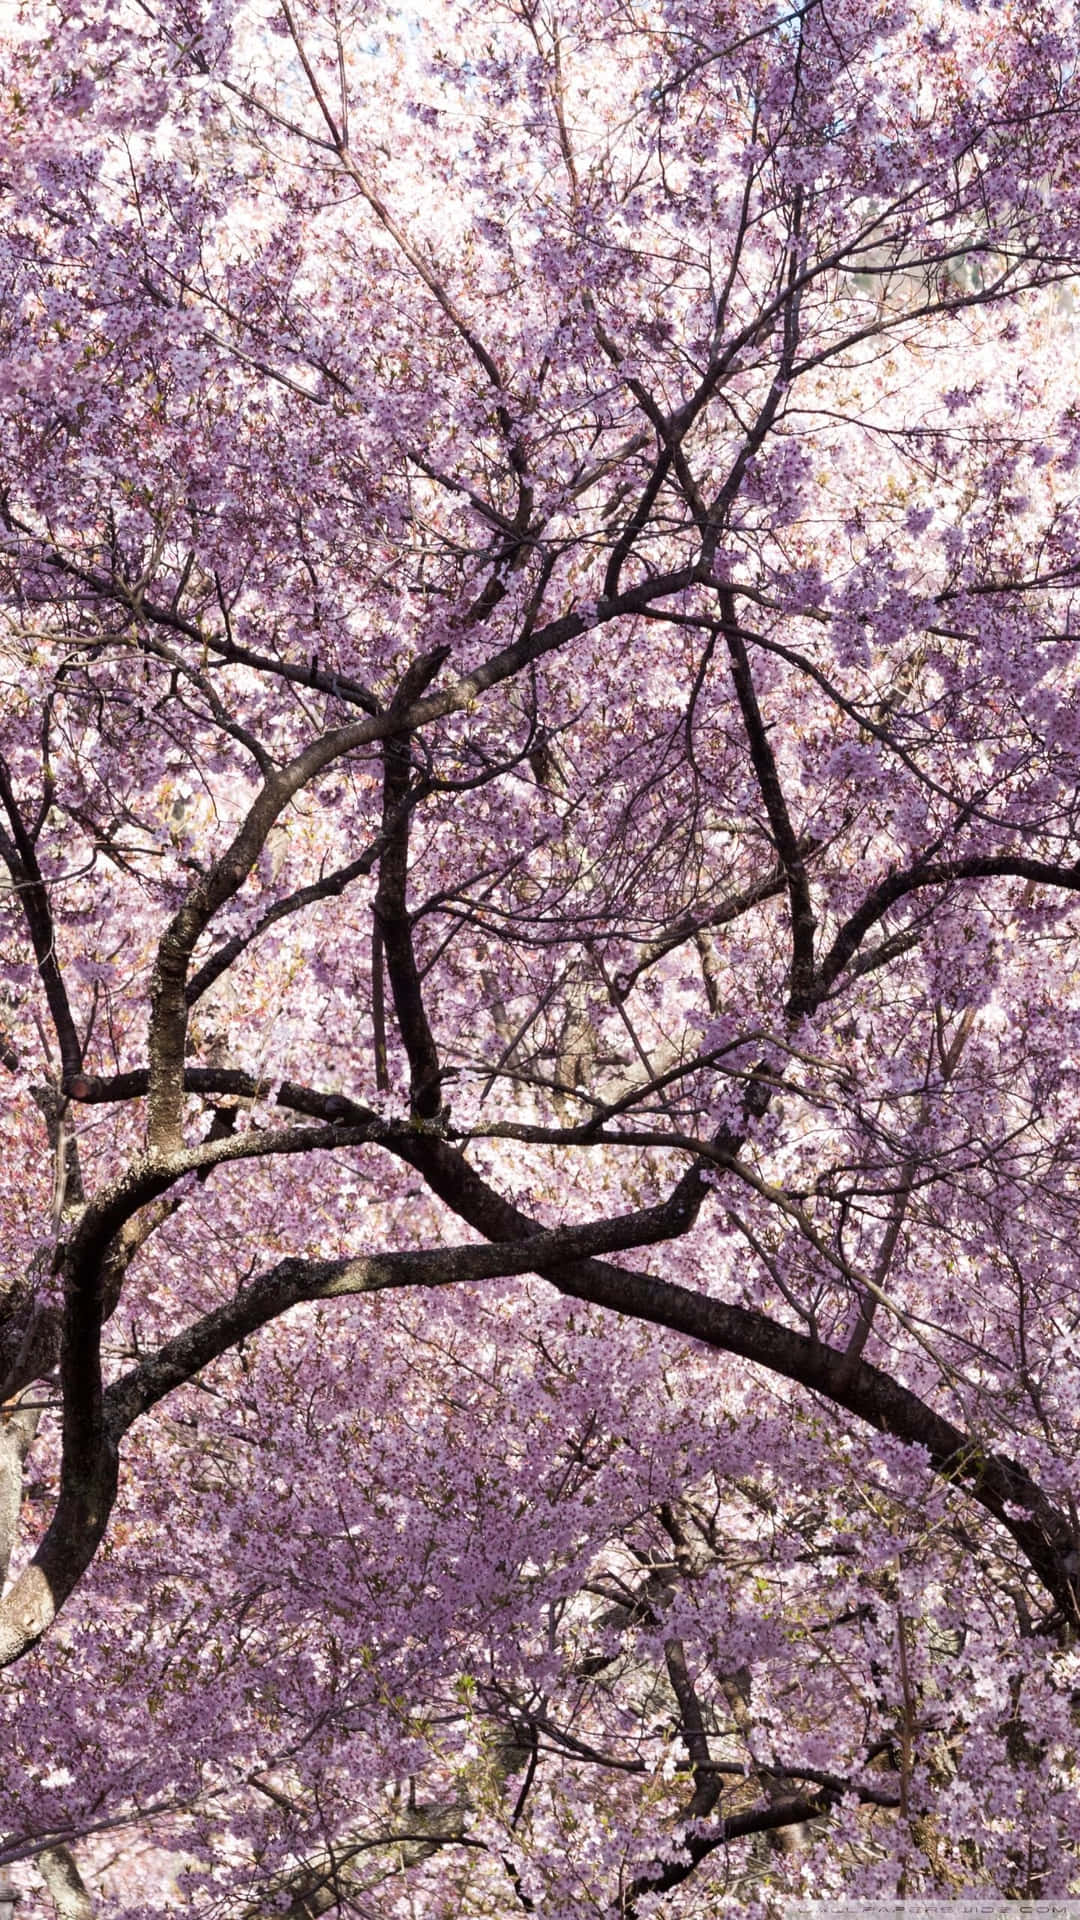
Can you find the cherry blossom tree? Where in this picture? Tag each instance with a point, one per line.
(540, 834)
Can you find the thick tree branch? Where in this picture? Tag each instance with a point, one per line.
(95, 1423)
(19, 854)
(394, 928)
(992, 1479)
(1003, 1488)
(70, 1895)
(788, 844)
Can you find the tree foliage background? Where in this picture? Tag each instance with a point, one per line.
(539, 816)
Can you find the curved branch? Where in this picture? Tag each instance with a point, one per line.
(997, 1483)
(934, 873)
(95, 1421)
